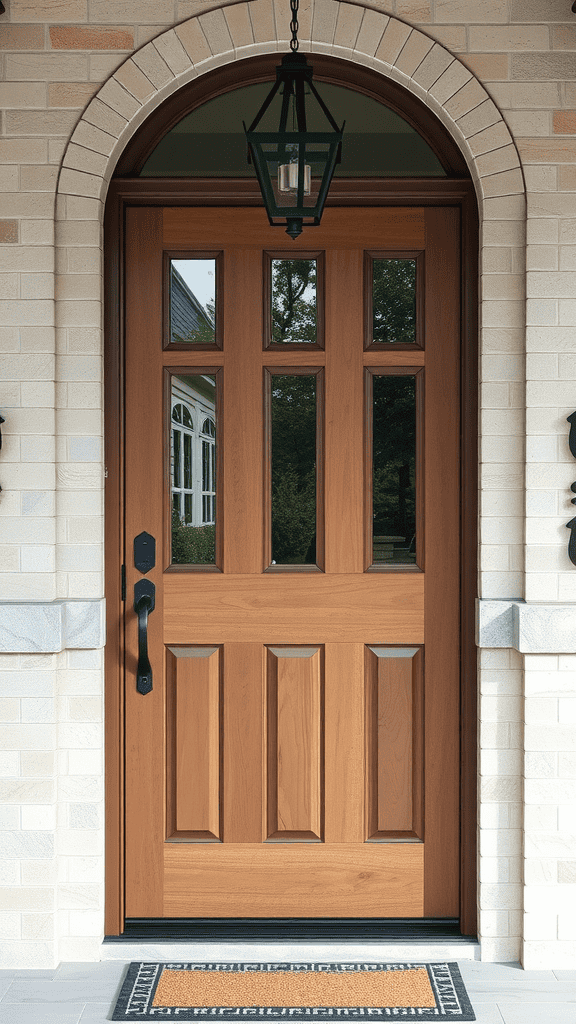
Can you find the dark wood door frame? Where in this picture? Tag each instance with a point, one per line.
(131, 191)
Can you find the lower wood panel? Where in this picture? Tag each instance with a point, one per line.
(194, 732)
(299, 608)
(294, 759)
(300, 880)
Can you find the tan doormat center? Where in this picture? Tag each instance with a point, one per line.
(294, 988)
(292, 991)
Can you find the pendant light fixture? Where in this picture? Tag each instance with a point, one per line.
(295, 166)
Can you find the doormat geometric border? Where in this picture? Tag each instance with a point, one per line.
(138, 1000)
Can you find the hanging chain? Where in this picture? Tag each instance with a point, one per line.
(294, 25)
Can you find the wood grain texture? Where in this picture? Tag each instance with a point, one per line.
(304, 880)
(395, 227)
(246, 612)
(442, 615)
(243, 744)
(344, 541)
(394, 739)
(242, 433)
(344, 743)
(144, 511)
(295, 727)
(114, 546)
(194, 773)
(295, 608)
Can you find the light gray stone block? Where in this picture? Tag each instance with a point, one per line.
(528, 628)
(545, 629)
(494, 623)
(49, 627)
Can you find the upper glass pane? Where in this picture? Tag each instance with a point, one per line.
(210, 142)
(193, 302)
(394, 469)
(293, 452)
(293, 301)
(193, 469)
(394, 301)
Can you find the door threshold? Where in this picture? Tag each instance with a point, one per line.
(290, 940)
(288, 930)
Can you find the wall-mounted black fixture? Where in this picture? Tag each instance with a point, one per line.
(2, 8)
(572, 445)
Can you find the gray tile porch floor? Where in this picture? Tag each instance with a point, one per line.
(84, 993)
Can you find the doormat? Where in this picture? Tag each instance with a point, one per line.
(293, 991)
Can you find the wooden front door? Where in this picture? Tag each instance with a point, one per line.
(298, 753)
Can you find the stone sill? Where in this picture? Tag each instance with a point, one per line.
(528, 628)
(47, 627)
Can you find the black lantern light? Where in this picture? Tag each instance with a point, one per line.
(294, 166)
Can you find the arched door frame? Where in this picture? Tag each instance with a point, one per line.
(127, 189)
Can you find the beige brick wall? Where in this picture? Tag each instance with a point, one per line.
(511, 90)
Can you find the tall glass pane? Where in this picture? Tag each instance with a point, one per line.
(188, 461)
(193, 302)
(394, 301)
(176, 465)
(394, 469)
(293, 469)
(293, 301)
(193, 469)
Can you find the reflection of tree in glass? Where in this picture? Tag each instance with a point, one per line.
(293, 468)
(294, 301)
(394, 301)
(192, 545)
(394, 456)
(204, 332)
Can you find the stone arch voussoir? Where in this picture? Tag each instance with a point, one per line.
(232, 32)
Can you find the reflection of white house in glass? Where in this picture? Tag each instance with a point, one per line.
(193, 416)
(194, 449)
(190, 321)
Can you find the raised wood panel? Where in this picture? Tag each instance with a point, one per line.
(243, 701)
(209, 228)
(394, 727)
(300, 880)
(195, 736)
(295, 608)
(294, 756)
(344, 743)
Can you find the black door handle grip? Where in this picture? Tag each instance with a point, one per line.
(144, 601)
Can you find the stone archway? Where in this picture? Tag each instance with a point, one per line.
(231, 33)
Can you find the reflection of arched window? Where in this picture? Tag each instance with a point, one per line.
(182, 461)
(208, 471)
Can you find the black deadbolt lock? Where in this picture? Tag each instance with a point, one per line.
(144, 552)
